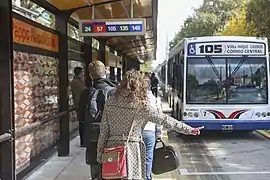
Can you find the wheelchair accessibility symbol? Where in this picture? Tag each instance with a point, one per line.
(191, 49)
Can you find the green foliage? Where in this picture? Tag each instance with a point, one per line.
(207, 20)
(239, 26)
(258, 12)
(146, 67)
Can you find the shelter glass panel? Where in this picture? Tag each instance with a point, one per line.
(36, 95)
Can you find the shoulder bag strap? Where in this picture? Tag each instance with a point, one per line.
(132, 126)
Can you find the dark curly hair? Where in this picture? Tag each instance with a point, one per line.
(134, 86)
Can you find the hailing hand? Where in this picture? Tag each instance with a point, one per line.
(196, 131)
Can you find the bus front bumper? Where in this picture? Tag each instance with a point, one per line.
(230, 125)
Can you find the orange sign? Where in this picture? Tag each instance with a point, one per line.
(29, 35)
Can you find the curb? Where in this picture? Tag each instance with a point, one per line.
(265, 133)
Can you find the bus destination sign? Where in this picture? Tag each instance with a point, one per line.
(226, 48)
(112, 27)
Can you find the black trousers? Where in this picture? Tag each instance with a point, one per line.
(81, 133)
(154, 91)
(95, 172)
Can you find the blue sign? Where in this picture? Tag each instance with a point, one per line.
(191, 49)
(112, 27)
(136, 27)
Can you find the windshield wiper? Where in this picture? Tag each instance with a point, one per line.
(213, 67)
(237, 67)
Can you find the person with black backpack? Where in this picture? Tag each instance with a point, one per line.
(91, 107)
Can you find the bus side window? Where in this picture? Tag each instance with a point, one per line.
(169, 73)
(181, 78)
(174, 75)
(178, 78)
(177, 74)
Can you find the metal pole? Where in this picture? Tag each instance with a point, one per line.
(166, 61)
(93, 17)
(61, 21)
(7, 125)
(131, 9)
(93, 11)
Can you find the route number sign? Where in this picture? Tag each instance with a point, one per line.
(112, 27)
(226, 48)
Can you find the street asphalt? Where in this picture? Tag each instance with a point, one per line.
(222, 156)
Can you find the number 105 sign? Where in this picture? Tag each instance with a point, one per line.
(112, 27)
(227, 48)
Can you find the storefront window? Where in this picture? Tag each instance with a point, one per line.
(36, 81)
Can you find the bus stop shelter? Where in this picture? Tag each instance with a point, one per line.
(133, 49)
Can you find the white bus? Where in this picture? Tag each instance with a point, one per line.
(221, 83)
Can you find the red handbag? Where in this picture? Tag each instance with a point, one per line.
(114, 160)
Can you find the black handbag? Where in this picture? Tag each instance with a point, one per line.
(165, 159)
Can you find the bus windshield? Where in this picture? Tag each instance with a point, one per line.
(234, 80)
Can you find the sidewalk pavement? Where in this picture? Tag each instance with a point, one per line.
(73, 167)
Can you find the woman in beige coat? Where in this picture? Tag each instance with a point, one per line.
(131, 103)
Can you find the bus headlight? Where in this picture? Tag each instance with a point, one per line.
(196, 115)
(258, 114)
(264, 114)
(190, 114)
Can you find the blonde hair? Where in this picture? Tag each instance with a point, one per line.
(108, 70)
(97, 69)
(134, 86)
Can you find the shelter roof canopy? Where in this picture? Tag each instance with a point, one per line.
(140, 47)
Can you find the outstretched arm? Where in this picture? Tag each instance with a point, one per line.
(170, 123)
(159, 109)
